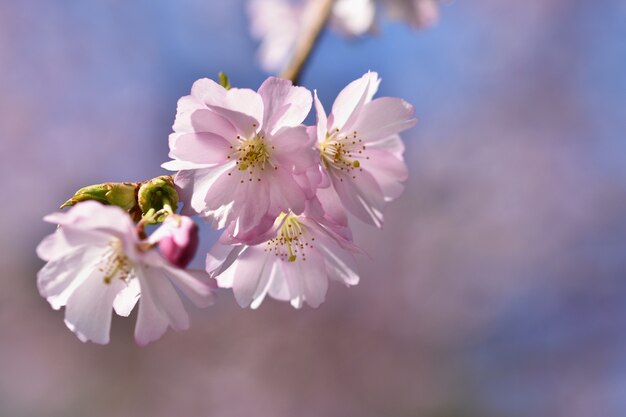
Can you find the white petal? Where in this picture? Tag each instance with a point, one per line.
(59, 278)
(159, 307)
(196, 285)
(88, 310)
(126, 299)
(250, 276)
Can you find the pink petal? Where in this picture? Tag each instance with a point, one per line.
(88, 310)
(383, 117)
(126, 299)
(196, 285)
(388, 171)
(59, 278)
(68, 239)
(308, 279)
(242, 107)
(350, 100)
(340, 262)
(94, 216)
(205, 120)
(392, 144)
(361, 196)
(184, 108)
(204, 149)
(159, 307)
(332, 206)
(285, 193)
(284, 104)
(322, 121)
(293, 150)
(251, 276)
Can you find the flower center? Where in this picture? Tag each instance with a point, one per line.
(114, 263)
(252, 153)
(342, 151)
(291, 241)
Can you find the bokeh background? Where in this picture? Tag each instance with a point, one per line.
(497, 287)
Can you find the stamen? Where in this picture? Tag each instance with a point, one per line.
(115, 263)
(338, 150)
(289, 242)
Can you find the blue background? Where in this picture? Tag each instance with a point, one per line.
(496, 288)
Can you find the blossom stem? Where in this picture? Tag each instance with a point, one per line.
(308, 42)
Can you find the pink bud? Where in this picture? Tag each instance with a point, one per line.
(178, 239)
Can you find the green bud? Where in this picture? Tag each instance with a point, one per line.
(121, 194)
(224, 81)
(158, 194)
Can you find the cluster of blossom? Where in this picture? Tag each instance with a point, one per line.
(349, 17)
(245, 162)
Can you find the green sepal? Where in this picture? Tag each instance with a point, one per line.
(121, 194)
(157, 194)
(224, 81)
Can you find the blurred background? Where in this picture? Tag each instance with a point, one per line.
(497, 287)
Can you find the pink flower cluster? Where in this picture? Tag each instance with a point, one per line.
(245, 162)
(282, 190)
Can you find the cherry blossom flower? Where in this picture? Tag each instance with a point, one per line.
(278, 41)
(418, 13)
(178, 239)
(350, 18)
(96, 262)
(361, 151)
(293, 262)
(243, 156)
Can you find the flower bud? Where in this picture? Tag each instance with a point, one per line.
(178, 239)
(157, 194)
(121, 194)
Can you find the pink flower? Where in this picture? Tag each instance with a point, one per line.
(96, 262)
(278, 41)
(361, 151)
(292, 263)
(418, 13)
(242, 154)
(178, 239)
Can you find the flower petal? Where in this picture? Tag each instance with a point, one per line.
(127, 298)
(88, 311)
(201, 148)
(383, 117)
(159, 307)
(350, 100)
(284, 104)
(59, 278)
(251, 275)
(361, 196)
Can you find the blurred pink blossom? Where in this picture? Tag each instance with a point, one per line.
(348, 17)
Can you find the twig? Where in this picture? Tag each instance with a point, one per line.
(307, 43)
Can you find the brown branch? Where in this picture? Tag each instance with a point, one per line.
(307, 43)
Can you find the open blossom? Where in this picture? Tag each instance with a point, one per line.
(96, 263)
(278, 41)
(292, 263)
(361, 151)
(243, 156)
